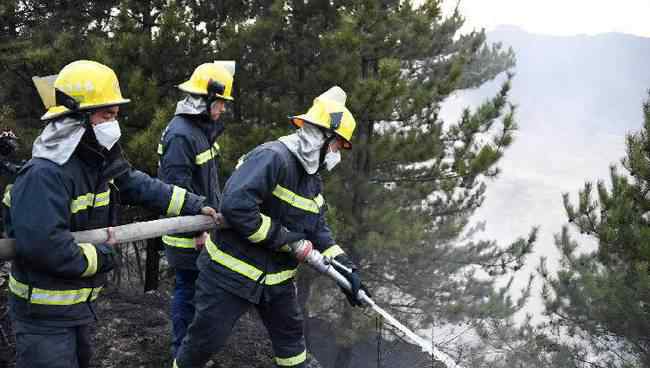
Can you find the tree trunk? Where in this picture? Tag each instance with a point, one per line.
(153, 264)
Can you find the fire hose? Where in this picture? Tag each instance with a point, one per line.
(325, 266)
(156, 228)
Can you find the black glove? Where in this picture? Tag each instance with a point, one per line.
(352, 275)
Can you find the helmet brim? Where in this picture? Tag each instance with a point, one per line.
(299, 120)
(59, 111)
(189, 88)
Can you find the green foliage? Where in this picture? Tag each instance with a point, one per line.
(402, 195)
(603, 297)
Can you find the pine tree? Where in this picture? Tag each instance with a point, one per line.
(603, 297)
(29, 47)
(404, 194)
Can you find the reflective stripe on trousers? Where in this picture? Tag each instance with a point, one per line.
(291, 361)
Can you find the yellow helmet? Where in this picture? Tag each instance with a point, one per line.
(211, 79)
(87, 85)
(329, 111)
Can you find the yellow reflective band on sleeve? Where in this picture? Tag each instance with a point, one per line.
(90, 252)
(176, 202)
(7, 197)
(249, 271)
(90, 200)
(160, 149)
(208, 155)
(291, 361)
(263, 231)
(102, 199)
(175, 365)
(295, 200)
(178, 242)
(333, 251)
(53, 297)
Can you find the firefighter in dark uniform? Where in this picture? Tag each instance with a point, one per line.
(73, 182)
(275, 208)
(188, 158)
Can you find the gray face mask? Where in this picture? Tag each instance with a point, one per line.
(332, 159)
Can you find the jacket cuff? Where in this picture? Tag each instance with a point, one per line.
(106, 258)
(192, 204)
(262, 232)
(333, 251)
(286, 236)
(92, 260)
(176, 201)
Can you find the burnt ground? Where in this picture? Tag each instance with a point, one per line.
(134, 331)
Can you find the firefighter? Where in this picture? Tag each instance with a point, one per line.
(188, 153)
(276, 211)
(73, 182)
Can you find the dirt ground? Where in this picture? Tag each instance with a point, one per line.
(134, 331)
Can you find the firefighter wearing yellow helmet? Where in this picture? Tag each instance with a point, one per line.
(189, 157)
(328, 111)
(276, 211)
(213, 80)
(70, 184)
(84, 85)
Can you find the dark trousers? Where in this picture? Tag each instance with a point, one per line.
(217, 311)
(52, 347)
(182, 311)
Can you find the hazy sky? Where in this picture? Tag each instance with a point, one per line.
(559, 17)
(552, 153)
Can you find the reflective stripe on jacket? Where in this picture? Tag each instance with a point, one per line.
(189, 158)
(53, 277)
(269, 201)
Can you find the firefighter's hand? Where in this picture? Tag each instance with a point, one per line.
(199, 241)
(301, 249)
(209, 211)
(354, 279)
(111, 236)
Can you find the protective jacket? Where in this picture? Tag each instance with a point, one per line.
(269, 201)
(54, 279)
(188, 158)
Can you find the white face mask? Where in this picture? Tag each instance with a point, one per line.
(332, 159)
(108, 133)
